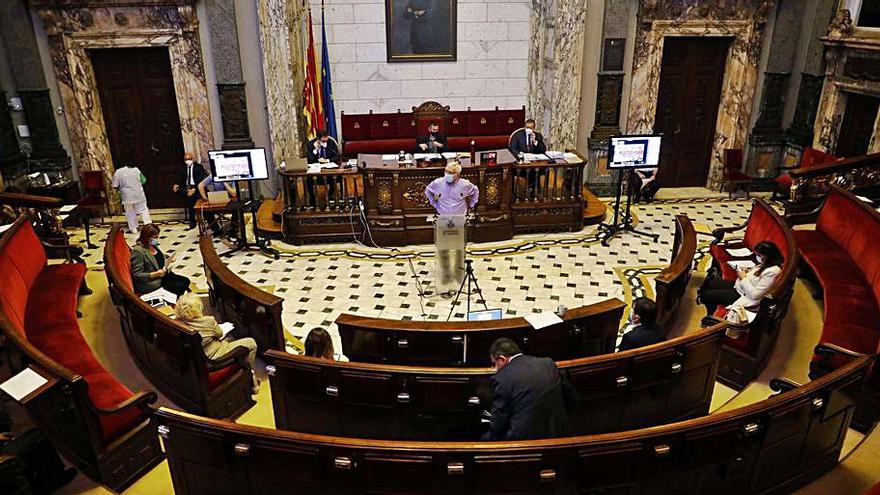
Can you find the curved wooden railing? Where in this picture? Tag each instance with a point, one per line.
(169, 354)
(584, 331)
(671, 284)
(859, 174)
(254, 312)
(642, 387)
(773, 446)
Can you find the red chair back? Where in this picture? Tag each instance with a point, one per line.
(733, 160)
(93, 182)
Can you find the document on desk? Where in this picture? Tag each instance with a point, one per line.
(4, 228)
(226, 327)
(23, 384)
(329, 165)
(160, 294)
(427, 156)
(571, 158)
(67, 208)
(389, 157)
(739, 252)
(535, 157)
(449, 154)
(555, 154)
(544, 319)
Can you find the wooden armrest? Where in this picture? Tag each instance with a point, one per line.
(236, 355)
(719, 233)
(141, 399)
(803, 217)
(783, 385)
(827, 350)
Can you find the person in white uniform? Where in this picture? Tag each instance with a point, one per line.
(130, 182)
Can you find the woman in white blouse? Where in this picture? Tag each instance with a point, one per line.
(750, 285)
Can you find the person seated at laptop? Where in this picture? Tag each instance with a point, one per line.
(643, 328)
(322, 149)
(210, 185)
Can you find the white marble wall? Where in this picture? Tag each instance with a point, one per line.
(491, 69)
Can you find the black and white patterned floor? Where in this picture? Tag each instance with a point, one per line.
(530, 273)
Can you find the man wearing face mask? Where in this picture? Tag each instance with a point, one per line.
(187, 185)
(643, 328)
(527, 140)
(529, 395)
(322, 149)
(433, 141)
(451, 195)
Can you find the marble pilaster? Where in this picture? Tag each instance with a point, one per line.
(557, 38)
(227, 67)
(281, 37)
(73, 31)
(737, 19)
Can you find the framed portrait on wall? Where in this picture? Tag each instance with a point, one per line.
(420, 30)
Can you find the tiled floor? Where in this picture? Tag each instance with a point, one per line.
(530, 273)
(526, 274)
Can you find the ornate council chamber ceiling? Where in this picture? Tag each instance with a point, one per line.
(526, 274)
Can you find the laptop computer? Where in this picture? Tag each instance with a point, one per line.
(218, 197)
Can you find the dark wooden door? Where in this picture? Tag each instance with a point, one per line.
(687, 107)
(140, 113)
(858, 125)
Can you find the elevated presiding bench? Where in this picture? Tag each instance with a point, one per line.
(744, 358)
(642, 387)
(842, 254)
(392, 132)
(773, 446)
(170, 354)
(254, 312)
(671, 284)
(95, 421)
(584, 331)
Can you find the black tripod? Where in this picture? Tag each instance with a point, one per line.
(624, 222)
(473, 287)
(242, 242)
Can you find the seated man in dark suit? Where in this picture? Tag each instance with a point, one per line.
(644, 328)
(433, 141)
(528, 395)
(322, 149)
(526, 140)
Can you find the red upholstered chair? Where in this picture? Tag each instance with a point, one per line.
(733, 175)
(811, 157)
(94, 196)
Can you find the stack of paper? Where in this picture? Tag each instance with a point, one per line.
(535, 157)
(541, 320)
(314, 168)
(160, 295)
(226, 327)
(739, 252)
(67, 208)
(23, 384)
(571, 158)
(556, 154)
(389, 157)
(449, 154)
(427, 156)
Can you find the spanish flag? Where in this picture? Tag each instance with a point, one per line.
(313, 106)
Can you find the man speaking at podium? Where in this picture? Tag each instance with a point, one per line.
(452, 197)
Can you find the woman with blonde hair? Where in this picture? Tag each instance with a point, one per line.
(189, 312)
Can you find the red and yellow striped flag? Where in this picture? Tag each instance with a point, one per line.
(313, 106)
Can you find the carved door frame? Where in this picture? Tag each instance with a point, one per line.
(737, 91)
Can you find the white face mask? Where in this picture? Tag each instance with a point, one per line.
(188, 162)
(529, 131)
(759, 258)
(323, 144)
(450, 178)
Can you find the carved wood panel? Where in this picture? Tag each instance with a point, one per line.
(140, 116)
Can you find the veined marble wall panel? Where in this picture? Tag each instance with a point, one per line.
(71, 32)
(281, 40)
(738, 19)
(491, 67)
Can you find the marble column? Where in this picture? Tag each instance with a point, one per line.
(227, 67)
(555, 64)
(800, 133)
(31, 86)
(281, 38)
(608, 95)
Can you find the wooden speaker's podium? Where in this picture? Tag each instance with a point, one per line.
(449, 245)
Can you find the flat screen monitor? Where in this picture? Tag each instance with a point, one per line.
(232, 165)
(486, 314)
(634, 151)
